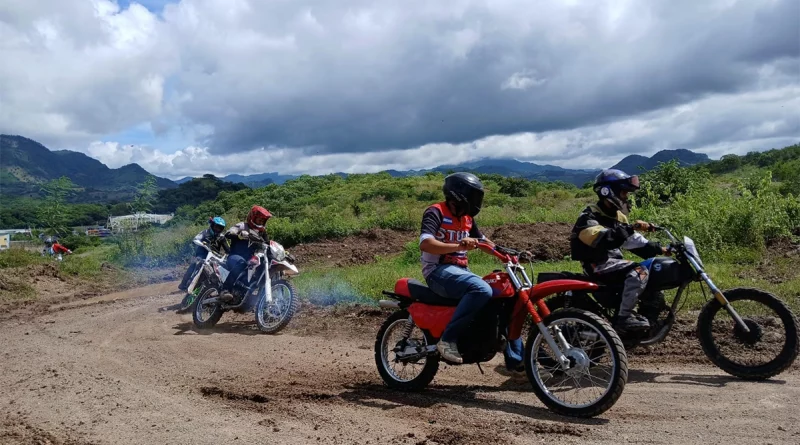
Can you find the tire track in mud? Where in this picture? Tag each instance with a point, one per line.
(430, 410)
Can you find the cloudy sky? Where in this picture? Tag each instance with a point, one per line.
(314, 86)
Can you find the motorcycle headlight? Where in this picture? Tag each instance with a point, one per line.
(277, 252)
(692, 249)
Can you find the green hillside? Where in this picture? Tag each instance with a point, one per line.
(25, 164)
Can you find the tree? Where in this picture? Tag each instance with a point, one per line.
(52, 212)
(145, 196)
(727, 163)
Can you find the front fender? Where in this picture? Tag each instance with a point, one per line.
(284, 266)
(547, 288)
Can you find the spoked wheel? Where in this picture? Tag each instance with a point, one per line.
(598, 364)
(274, 316)
(187, 304)
(206, 315)
(770, 346)
(401, 356)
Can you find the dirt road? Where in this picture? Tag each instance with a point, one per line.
(130, 371)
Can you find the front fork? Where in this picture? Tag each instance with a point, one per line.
(724, 302)
(558, 343)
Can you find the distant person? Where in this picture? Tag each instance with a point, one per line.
(602, 230)
(214, 238)
(48, 245)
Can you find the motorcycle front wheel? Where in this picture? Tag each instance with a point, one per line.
(187, 303)
(206, 315)
(598, 364)
(769, 348)
(272, 317)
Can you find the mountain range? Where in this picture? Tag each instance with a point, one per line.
(25, 163)
(632, 164)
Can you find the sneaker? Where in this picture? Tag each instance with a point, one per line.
(631, 323)
(183, 287)
(449, 352)
(226, 297)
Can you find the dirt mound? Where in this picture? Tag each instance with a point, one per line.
(783, 247)
(777, 265)
(352, 250)
(547, 241)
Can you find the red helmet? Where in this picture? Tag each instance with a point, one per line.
(257, 218)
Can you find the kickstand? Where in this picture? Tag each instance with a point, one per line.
(480, 369)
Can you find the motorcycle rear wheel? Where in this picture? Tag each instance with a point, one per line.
(198, 316)
(761, 371)
(384, 347)
(540, 364)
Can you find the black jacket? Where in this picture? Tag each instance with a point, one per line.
(598, 237)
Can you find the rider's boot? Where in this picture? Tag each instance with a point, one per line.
(226, 297)
(631, 322)
(449, 351)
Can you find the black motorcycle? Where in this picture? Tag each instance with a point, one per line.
(748, 333)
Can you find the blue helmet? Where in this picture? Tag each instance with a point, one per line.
(217, 224)
(610, 184)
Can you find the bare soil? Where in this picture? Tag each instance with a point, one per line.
(779, 263)
(124, 368)
(547, 241)
(353, 250)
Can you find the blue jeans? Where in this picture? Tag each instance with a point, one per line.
(455, 282)
(236, 265)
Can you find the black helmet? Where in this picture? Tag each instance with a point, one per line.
(610, 184)
(465, 190)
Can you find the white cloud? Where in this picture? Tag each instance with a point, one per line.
(522, 81)
(398, 83)
(695, 126)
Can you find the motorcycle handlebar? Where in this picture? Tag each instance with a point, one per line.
(504, 254)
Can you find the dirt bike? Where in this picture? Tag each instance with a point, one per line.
(204, 271)
(578, 343)
(756, 334)
(266, 290)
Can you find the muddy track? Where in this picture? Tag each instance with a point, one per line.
(129, 370)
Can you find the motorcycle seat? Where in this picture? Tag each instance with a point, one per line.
(418, 291)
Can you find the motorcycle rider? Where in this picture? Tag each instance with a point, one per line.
(246, 238)
(214, 238)
(59, 250)
(602, 230)
(48, 246)
(448, 232)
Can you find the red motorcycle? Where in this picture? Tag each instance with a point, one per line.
(574, 360)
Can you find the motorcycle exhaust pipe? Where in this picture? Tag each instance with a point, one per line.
(389, 304)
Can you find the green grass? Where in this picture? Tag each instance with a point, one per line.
(19, 258)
